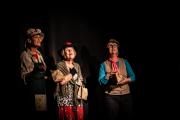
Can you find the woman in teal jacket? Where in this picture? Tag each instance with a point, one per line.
(115, 74)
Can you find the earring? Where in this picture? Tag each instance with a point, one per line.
(29, 41)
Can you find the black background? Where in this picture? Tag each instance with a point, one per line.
(143, 30)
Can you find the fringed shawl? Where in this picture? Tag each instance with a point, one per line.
(62, 90)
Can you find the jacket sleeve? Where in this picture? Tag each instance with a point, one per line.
(27, 66)
(102, 75)
(130, 71)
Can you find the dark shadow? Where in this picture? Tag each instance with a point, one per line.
(90, 69)
(50, 87)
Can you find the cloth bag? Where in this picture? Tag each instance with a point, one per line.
(82, 93)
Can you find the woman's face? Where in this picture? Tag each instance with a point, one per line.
(113, 48)
(69, 53)
(36, 40)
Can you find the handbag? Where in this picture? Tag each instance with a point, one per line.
(82, 93)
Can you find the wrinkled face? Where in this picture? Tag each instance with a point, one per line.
(69, 53)
(36, 40)
(113, 48)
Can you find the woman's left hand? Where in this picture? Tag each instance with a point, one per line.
(124, 81)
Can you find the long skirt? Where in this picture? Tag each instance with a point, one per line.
(71, 112)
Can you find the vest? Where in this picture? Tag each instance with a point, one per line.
(117, 89)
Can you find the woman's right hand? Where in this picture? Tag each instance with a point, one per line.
(109, 75)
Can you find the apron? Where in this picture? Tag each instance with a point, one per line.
(37, 86)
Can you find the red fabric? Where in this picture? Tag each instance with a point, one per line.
(80, 113)
(68, 43)
(61, 113)
(113, 64)
(69, 113)
(36, 55)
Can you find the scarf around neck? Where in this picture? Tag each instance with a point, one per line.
(113, 63)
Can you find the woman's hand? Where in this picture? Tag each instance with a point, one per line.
(124, 81)
(109, 75)
(66, 79)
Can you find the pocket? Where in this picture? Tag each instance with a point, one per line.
(40, 102)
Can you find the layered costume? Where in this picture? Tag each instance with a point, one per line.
(115, 74)
(69, 101)
(33, 70)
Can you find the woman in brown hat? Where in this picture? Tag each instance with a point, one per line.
(69, 79)
(115, 74)
(33, 70)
